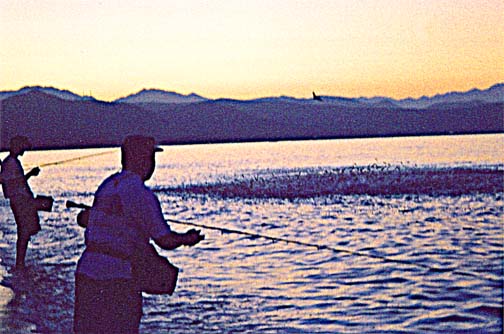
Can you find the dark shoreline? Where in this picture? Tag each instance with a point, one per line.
(263, 140)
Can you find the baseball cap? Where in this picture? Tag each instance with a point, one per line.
(138, 145)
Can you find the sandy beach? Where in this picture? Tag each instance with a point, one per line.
(6, 296)
(8, 324)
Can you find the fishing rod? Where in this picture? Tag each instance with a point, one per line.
(82, 157)
(223, 230)
(72, 204)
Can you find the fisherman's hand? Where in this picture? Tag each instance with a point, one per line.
(34, 172)
(83, 218)
(193, 237)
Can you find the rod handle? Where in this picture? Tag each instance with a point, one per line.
(72, 204)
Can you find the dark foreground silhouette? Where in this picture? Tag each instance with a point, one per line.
(24, 204)
(111, 273)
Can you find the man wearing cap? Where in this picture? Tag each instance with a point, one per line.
(22, 202)
(125, 215)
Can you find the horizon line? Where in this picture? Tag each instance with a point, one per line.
(250, 99)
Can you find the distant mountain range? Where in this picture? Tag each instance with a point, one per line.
(56, 118)
(160, 96)
(490, 95)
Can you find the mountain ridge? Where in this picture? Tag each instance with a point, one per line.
(153, 95)
(54, 122)
(495, 93)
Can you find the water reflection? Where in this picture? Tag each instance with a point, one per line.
(236, 284)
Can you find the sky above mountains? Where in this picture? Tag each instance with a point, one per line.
(250, 49)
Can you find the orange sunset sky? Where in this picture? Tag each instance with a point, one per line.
(253, 48)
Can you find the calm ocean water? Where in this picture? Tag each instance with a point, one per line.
(433, 206)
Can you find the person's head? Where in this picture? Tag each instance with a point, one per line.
(138, 155)
(18, 145)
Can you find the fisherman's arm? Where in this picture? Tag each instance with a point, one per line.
(168, 241)
(174, 239)
(160, 231)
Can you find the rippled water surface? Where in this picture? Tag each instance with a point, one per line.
(426, 257)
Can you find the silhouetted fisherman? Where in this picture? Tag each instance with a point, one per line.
(125, 215)
(24, 205)
(316, 97)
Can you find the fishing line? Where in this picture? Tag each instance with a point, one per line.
(329, 248)
(71, 204)
(82, 157)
